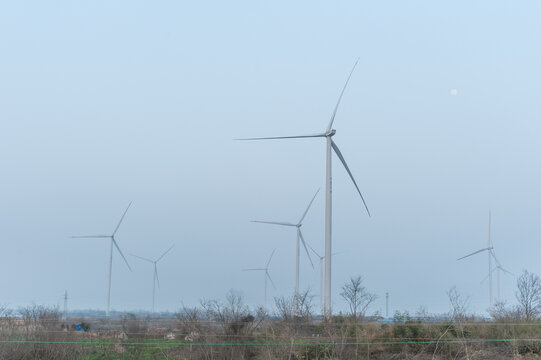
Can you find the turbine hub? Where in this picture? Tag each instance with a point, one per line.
(330, 133)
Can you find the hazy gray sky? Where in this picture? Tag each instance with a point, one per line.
(104, 102)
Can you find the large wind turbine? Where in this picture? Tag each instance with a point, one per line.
(155, 277)
(331, 145)
(490, 251)
(266, 276)
(113, 242)
(300, 239)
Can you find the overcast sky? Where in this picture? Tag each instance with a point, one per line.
(105, 102)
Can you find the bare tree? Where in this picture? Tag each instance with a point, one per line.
(234, 316)
(131, 324)
(459, 314)
(295, 308)
(459, 305)
(190, 319)
(357, 297)
(529, 295)
(503, 313)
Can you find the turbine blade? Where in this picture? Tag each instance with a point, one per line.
(305, 248)
(272, 282)
(340, 97)
(122, 218)
(339, 154)
(142, 258)
(485, 279)
(308, 208)
(90, 236)
(270, 258)
(156, 274)
(274, 223)
(493, 253)
(473, 253)
(165, 253)
(284, 137)
(315, 252)
(120, 251)
(506, 271)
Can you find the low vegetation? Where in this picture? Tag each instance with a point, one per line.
(231, 330)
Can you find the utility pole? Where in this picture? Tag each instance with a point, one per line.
(65, 315)
(386, 304)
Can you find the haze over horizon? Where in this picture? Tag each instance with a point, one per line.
(103, 103)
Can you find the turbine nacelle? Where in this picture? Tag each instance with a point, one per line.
(330, 133)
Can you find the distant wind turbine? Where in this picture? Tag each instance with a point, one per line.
(113, 242)
(331, 145)
(155, 277)
(266, 276)
(321, 258)
(498, 268)
(490, 251)
(300, 239)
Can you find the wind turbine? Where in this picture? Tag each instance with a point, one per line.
(331, 145)
(267, 276)
(490, 251)
(321, 258)
(155, 277)
(300, 239)
(113, 242)
(498, 268)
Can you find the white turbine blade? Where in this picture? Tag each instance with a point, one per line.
(315, 252)
(505, 271)
(339, 154)
(165, 253)
(142, 258)
(255, 269)
(274, 223)
(272, 282)
(156, 274)
(305, 248)
(340, 98)
(121, 254)
(270, 258)
(484, 279)
(122, 218)
(90, 236)
(473, 253)
(285, 137)
(308, 208)
(494, 256)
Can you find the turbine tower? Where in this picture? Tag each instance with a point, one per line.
(331, 145)
(155, 276)
(300, 239)
(490, 251)
(266, 276)
(113, 242)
